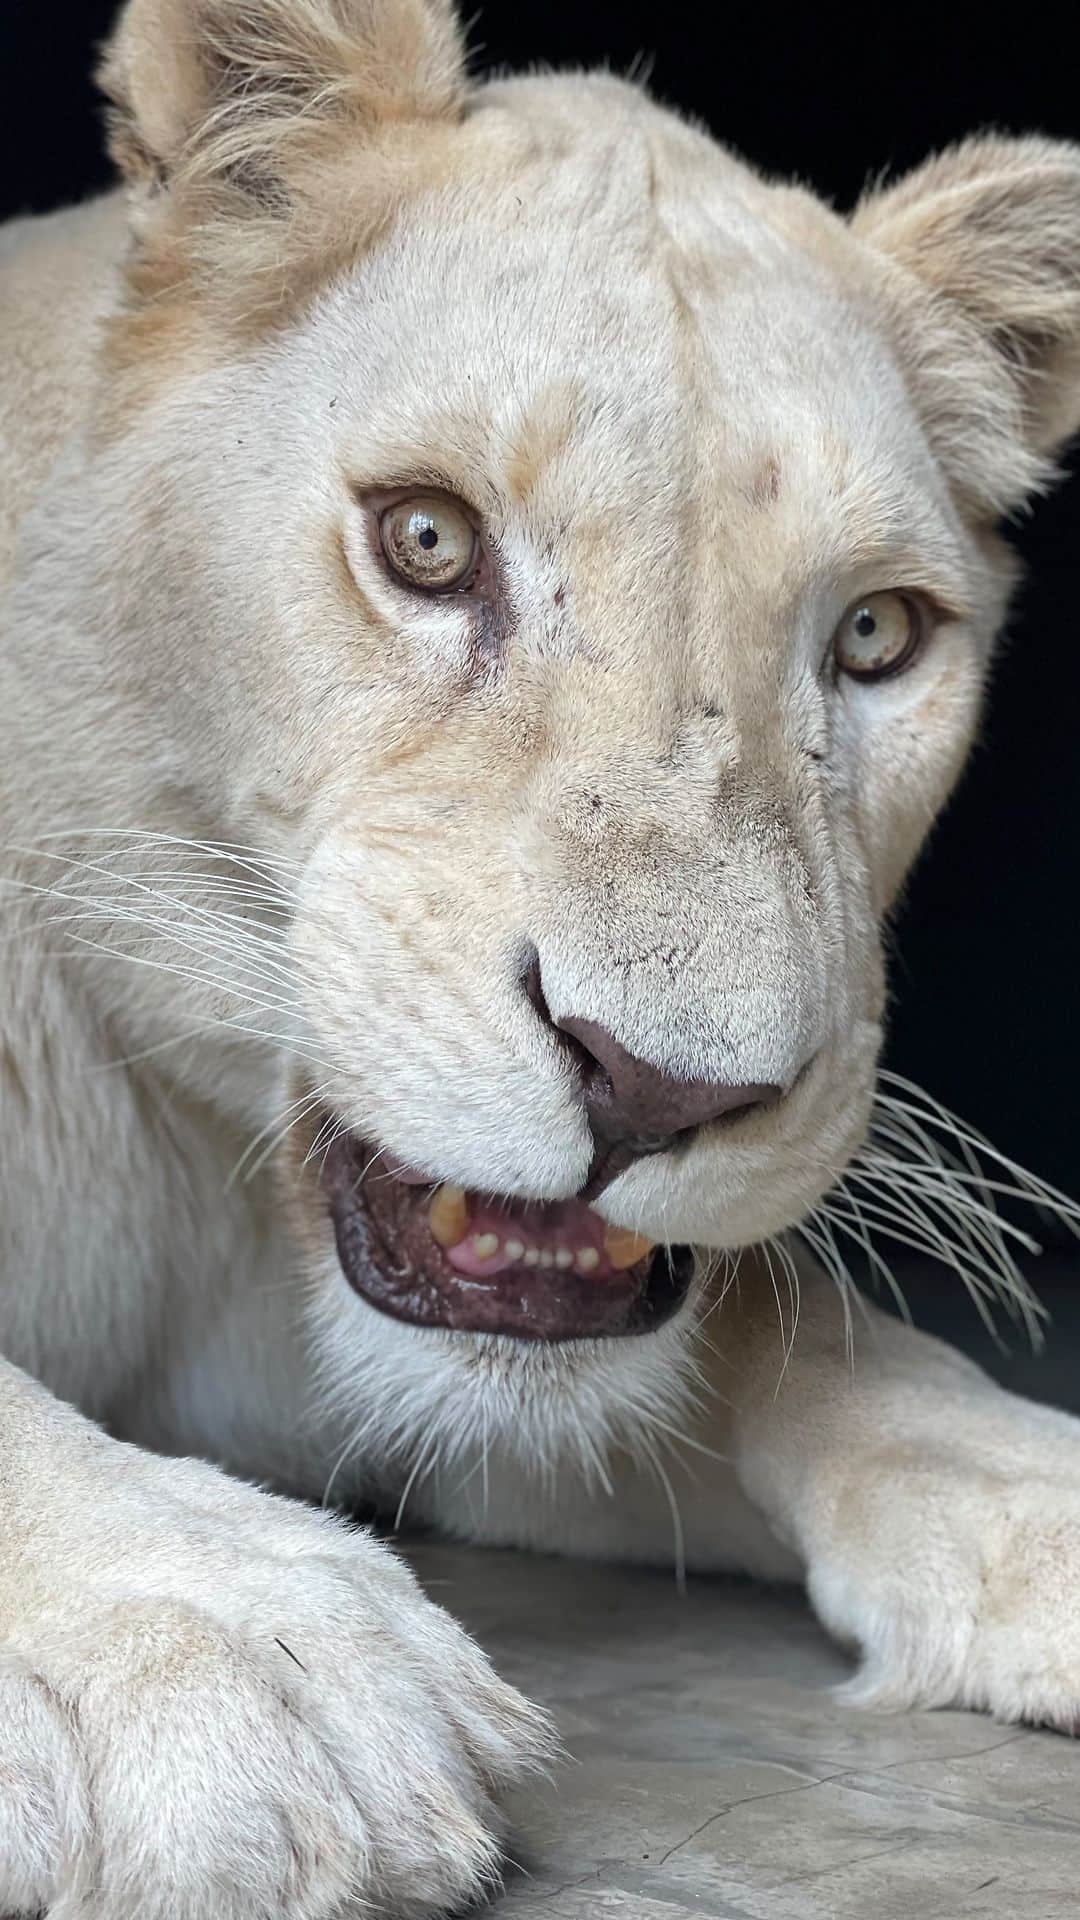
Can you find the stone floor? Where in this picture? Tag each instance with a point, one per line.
(713, 1773)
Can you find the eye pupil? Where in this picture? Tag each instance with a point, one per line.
(865, 624)
(428, 538)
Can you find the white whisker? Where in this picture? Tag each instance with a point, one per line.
(298, 1109)
(922, 1181)
(655, 1465)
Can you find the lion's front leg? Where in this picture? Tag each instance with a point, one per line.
(938, 1516)
(934, 1517)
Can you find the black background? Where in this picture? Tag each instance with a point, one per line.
(988, 941)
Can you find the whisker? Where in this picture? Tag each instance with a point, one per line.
(268, 949)
(875, 1260)
(298, 1109)
(656, 1466)
(114, 915)
(969, 1139)
(425, 1461)
(255, 860)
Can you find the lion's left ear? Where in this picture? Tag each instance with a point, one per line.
(988, 306)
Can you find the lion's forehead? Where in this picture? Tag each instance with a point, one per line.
(632, 488)
(703, 354)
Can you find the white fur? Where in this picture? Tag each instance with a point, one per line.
(273, 838)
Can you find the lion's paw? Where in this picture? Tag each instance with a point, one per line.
(251, 1712)
(961, 1587)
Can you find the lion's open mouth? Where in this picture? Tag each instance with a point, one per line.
(440, 1257)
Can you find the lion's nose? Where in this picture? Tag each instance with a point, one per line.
(637, 1107)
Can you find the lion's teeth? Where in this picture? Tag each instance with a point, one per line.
(449, 1219)
(448, 1216)
(625, 1249)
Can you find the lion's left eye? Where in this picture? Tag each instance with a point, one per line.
(430, 542)
(878, 636)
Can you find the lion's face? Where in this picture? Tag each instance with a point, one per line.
(588, 616)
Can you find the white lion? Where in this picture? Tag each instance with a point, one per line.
(495, 594)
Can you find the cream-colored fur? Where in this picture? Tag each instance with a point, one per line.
(270, 827)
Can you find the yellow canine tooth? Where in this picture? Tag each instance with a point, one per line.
(448, 1216)
(625, 1249)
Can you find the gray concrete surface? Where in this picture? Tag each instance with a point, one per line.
(713, 1774)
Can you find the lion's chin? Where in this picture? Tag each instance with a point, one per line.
(446, 1258)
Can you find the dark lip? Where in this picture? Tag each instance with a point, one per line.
(522, 1304)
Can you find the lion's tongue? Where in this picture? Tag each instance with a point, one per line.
(559, 1237)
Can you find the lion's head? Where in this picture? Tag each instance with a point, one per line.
(570, 559)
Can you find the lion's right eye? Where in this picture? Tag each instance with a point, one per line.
(430, 542)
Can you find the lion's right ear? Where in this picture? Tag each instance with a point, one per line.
(230, 90)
